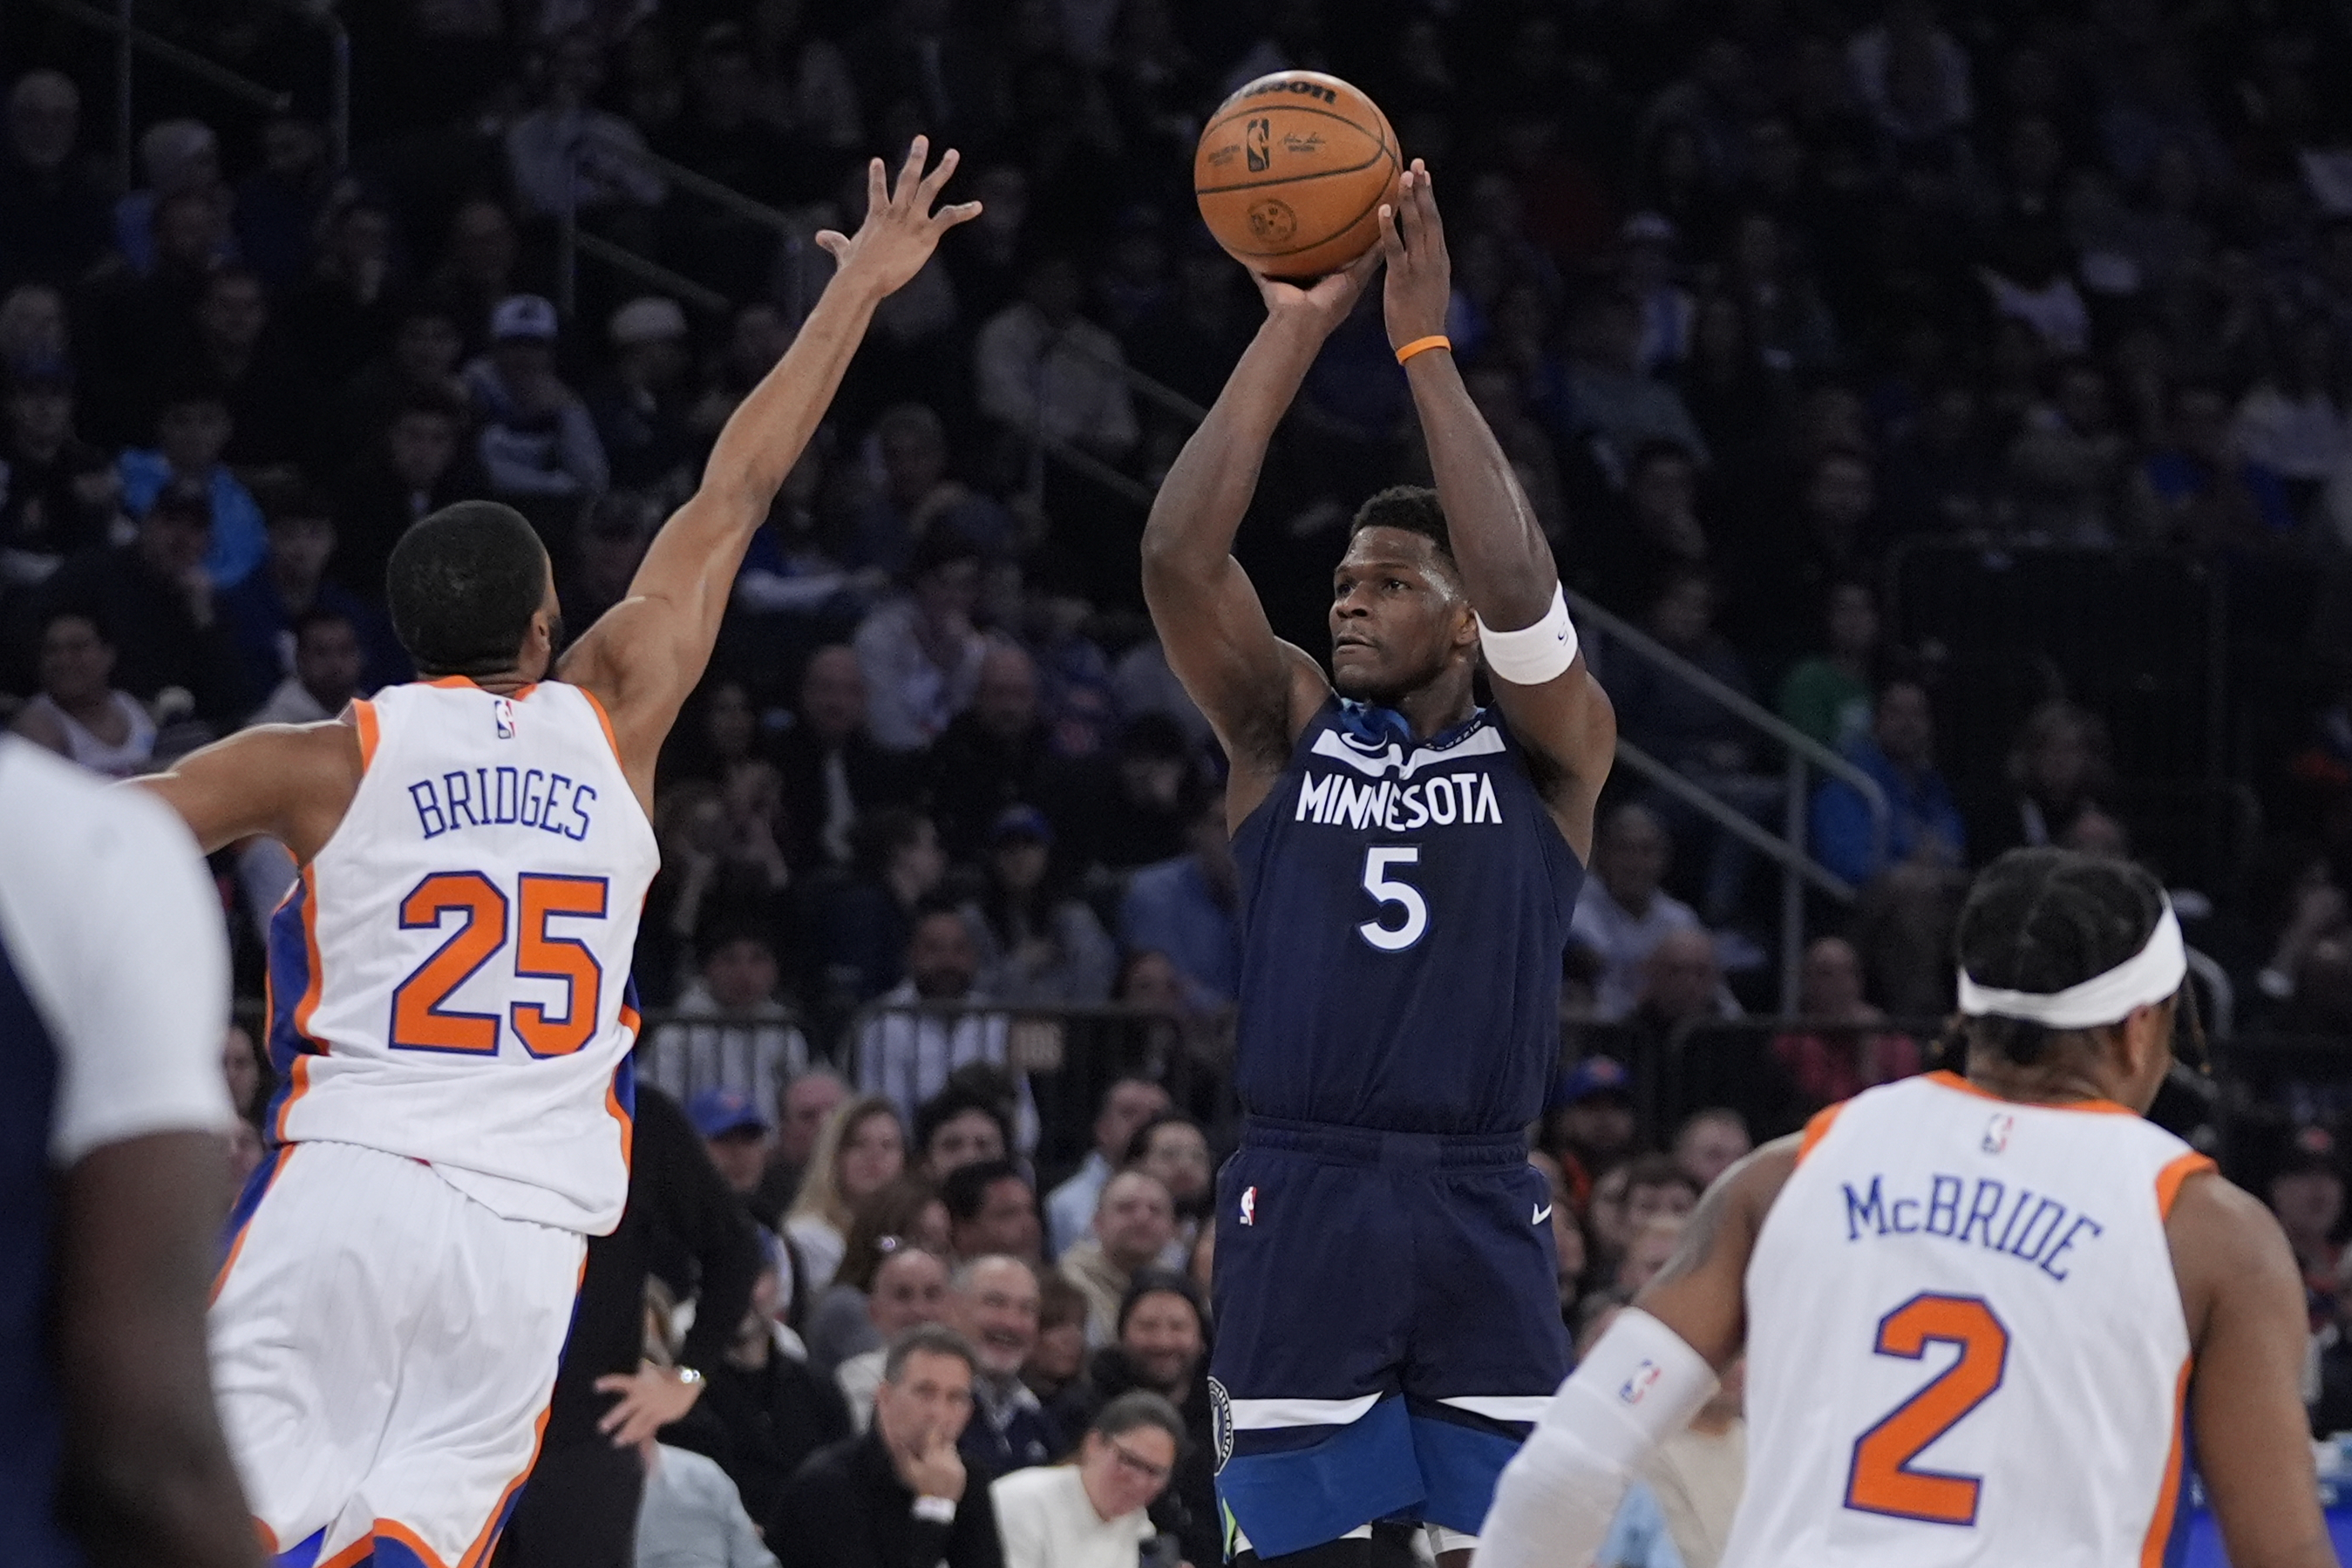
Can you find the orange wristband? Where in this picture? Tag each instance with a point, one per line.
(1423, 346)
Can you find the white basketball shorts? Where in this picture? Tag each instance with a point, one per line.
(383, 1349)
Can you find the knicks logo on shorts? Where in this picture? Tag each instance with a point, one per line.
(1221, 1422)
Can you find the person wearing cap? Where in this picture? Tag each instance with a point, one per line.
(734, 1129)
(640, 405)
(2087, 1285)
(1036, 943)
(1588, 1127)
(536, 440)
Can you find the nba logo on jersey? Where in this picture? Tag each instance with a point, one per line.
(502, 716)
(1997, 1133)
(1249, 1205)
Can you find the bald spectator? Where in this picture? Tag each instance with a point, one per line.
(1710, 1143)
(1681, 985)
(1623, 912)
(993, 1303)
(1848, 1052)
(181, 158)
(808, 1101)
(991, 1210)
(992, 756)
(833, 768)
(53, 220)
(911, 1290)
(1127, 1106)
(1135, 1221)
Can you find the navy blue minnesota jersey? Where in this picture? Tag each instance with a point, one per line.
(1404, 910)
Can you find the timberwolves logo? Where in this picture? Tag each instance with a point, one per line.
(1272, 222)
(1254, 137)
(502, 716)
(1221, 1422)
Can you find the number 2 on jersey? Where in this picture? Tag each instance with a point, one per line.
(420, 1020)
(1881, 1479)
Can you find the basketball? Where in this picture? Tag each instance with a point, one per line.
(1291, 172)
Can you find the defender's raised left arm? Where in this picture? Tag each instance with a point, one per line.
(1554, 704)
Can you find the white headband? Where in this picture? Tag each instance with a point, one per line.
(2147, 977)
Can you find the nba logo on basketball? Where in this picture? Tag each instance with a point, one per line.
(1249, 1205)
(502, 716)
(1996, 1136)
(1254, 137)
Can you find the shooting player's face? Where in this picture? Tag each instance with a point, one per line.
(1398, 616)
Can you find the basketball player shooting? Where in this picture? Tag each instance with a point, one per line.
(1976, 1309)
(1387, 1315)
(448, 981)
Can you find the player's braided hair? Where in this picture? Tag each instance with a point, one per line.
(1413, 508)
(2041, 920)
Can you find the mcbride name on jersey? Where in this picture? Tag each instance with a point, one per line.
(1405, 909)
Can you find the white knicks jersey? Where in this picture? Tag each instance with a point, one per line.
(449, 978)
(1965, 1339)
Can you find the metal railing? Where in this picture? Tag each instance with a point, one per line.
(572, 242)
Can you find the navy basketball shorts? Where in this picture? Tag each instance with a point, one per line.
(1387, 1328)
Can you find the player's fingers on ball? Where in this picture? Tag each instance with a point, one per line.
(1392, 242)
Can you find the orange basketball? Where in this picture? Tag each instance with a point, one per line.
(1291, 172)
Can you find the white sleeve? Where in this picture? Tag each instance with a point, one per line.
(117, 934)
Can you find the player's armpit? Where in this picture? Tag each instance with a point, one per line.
(1702, 1292)
(292, 782)
(2243, 1293)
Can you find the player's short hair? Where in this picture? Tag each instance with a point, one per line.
(1411, 507)
(926, 1339)
(463, 584)
(965, 1191)
(1136, 1409)
(2041, 920)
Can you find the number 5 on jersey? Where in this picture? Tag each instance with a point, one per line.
(1392, 892)
(1881, 1479)
(421, 1019)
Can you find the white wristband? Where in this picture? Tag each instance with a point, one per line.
(1533, 654)
(936, 1509)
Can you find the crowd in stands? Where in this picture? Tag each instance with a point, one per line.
(1780, 308)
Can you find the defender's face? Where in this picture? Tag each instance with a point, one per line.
(1398, 616)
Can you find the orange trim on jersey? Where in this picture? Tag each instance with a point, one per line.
(267, 1536)
(363, 719)
(2168, 1179)
(236, 1244)
(444, 683)
(486, 1542)
(606, 720)
(2167, 1498)
(1817, 1128)
(308, 1007)
(1950, 1080)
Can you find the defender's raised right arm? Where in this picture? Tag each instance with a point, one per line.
(1255, 689)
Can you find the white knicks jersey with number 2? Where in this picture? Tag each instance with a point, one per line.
(1965, 1340)
(449, 978)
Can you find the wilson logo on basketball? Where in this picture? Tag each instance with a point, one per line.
(1256, 136)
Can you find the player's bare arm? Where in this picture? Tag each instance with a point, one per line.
(2243, 1294)
(1701, 1293)
(1257, 691)
(645, 655)
(290, 782)
(1506, 564)
(147, 1475)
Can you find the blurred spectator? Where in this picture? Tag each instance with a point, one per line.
(2292, 423)
(2306, 1193)
(264, 384)
(721, 867)
(1710, 1143)
(191, 429)
(775, 1409)
(920, 652)
(957, 1127)
(1135, 1221)
(871, 921)
(291, 585)
(640, 407)
(36, 334)
(1623, 912)
(415, 466)
(1588, 1127)
(1058, 1361)
(833, 770)
(1132, 805)
(992, 756)
(568, 156)
(1143, 684)
(1128, 1105)
(993, 1302)
(911, 1290)
(1827, 694)
(59, 494)
(1092, 1514)
(1652, 1245)
(2055, 773)
(1914, 78)
(916, 498)
(1681, 987)
(991, 1208)
(330, 670)
(1664, 534)
(608, 549)
(2193, 489)
(76, 713)
(862, 1149)
(906, 1052)
(1899, 754)
(1161, 1346)
(734, 1130)
(1046, 373)
(344, 313)
(903, 1212)
(1175, 1151)
(741, 1039)
(1186, 908)
(1615, 404)
(807, 1103)
(53, 222)
(478, 268)
(536, 438)
(1835, 1063)
(2068, 460)
(899, 1494)
(179, 158)
(155, 596)
(280, 203)
(419, 362)
(1035, 942)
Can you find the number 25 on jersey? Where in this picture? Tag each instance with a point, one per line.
(1883, 1479)
(421, 1019)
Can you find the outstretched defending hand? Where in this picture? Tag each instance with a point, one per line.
(1325, 303)
(1420, 276)
(900, 230)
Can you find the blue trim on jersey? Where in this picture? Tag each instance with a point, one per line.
(302, 1554)
(249, 1199)
(288, 972)
(31, 1411)
(1460, 1458)
(1286, 1502)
